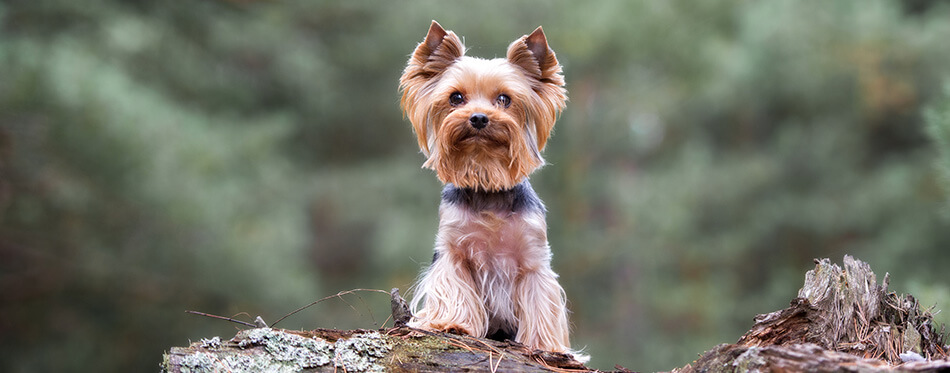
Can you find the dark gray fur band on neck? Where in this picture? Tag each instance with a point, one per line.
(518, 199)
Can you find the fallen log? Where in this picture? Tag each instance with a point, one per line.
(841, 320)
(397, 349)
(400, 349)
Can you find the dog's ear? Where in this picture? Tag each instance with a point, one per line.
(532, 54)
(435, 36)
(439, 50)
(430, 59)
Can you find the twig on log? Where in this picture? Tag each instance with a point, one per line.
(222, 318)
(337, 295)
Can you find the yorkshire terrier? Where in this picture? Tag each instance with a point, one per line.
(482, 125)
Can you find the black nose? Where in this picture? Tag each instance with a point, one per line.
(478, 120)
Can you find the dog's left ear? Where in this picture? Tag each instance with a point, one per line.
(532, 54)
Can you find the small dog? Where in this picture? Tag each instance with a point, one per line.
(482, 125)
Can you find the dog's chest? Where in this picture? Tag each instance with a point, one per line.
(496, 234)
(493, 240)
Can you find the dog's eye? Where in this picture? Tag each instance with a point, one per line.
(503, 101)
(456, 99)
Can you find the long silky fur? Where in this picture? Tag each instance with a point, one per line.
(491, 272)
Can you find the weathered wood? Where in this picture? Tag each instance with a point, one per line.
(844, 309)
(804, 357)
(841, 321)
(392, 350)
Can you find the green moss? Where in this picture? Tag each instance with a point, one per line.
(424, 347)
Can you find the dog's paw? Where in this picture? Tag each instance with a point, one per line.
(446, 326)
(456, 329)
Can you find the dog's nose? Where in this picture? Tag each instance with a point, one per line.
(478, 120)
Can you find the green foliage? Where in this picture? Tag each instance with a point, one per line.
(251, 157)
(938, 127)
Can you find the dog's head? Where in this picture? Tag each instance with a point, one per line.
(482, 123)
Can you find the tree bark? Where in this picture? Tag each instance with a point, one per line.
(841, 321)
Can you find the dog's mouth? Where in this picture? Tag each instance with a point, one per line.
(481, 137)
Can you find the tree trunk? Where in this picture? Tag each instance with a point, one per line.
(842, 320)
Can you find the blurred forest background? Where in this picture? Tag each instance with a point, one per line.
(250, 157)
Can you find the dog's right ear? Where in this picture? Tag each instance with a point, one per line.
(431, 58)
(439, 50)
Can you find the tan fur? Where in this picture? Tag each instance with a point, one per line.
(509, 150)
(495, 263)
(494, 267)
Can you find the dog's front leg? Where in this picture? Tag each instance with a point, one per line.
(541, 310)
(449, 299)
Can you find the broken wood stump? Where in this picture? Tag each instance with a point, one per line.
(842, 320)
